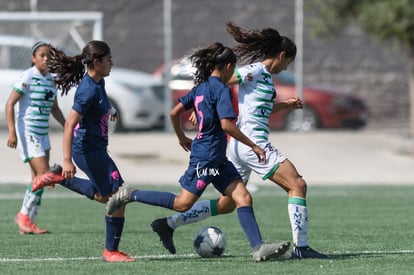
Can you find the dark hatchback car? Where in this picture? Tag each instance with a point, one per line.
(323, 107)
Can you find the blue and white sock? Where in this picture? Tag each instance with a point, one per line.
(201, 210)
(298, 216)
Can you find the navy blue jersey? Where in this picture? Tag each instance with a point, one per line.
(92, 103)
(211, 101)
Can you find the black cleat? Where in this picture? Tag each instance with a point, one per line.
(165, 232)
(305, 252)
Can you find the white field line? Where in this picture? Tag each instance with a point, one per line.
(367, 252)
(61, 259)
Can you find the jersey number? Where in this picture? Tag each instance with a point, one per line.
(197, 101)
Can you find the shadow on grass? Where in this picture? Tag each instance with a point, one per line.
(351, 255)
(368, 254)
(188, 257)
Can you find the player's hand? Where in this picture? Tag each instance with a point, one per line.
(261, 154)
(193, 118)
(294, 103)
(186, 143)
(12, 141)
(113, 114)
(68, 169)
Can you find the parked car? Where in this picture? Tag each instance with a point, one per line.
(323, 107)
(138, 96)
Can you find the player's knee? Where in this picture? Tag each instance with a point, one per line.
(243, 200)
(300, 186)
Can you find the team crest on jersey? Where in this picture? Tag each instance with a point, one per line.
(25, 85)
(250, 77)
(49, 94)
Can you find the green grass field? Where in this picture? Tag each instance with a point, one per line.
(364, 229)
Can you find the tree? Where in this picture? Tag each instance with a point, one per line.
(391, 20)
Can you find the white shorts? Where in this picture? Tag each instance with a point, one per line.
(32, 146)
(245, 160)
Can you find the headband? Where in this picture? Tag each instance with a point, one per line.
(37, 45)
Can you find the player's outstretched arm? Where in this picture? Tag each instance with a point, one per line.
(290, 103)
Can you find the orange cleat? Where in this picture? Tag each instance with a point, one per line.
(37, 230)
(23, 222)
(50, 178)
(26, 226)
(115, 256)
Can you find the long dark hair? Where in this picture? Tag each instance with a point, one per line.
(205, 60)
(254, 45)
(70, 70)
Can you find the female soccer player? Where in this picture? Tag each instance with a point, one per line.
(210, 98)
(85, 136)
(35, 94)
(257, 96)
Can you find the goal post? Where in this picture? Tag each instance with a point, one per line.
(68, 31)
(62, 28)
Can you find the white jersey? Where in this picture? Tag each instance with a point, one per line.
(38, 93)
(257, 95)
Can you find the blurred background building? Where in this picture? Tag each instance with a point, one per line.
(353, 62)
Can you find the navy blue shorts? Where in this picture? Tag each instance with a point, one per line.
(201, 173)
(101, 171)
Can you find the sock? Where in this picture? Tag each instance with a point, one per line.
(298, 215)
(248, 223)
(163, 199)
(114, 227)
(80, 186)
(201, 210)
(31, 203)
(34, 209)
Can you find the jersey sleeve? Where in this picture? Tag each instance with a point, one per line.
(83, 99)
(188, 99)
(22, 85)
(224, 104)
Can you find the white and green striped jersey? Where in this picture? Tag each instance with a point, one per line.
(257, 95)
(38, 94)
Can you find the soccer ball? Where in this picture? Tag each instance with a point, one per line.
(209, 242)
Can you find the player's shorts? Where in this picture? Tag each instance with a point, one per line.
(32, 146)
(101, 171)
(201, 173)
(245, 160)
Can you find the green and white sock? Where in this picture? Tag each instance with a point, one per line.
(31, 203)
(298, 216)
(201, 210)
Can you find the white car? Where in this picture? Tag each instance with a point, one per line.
(138, 96)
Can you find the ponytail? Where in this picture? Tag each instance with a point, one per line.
(205, 60)
(260, 44)
(70, 70)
